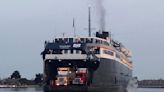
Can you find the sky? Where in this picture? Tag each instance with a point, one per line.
(26, 24)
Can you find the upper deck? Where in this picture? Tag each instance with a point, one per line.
(75, 48)
(75, 42)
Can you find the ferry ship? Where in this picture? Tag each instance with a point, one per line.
(84, 64)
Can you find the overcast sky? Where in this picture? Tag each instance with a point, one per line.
(26, 24)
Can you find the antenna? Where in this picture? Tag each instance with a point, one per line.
(74, 28)
(89, 21)
(63, 34)
(89, 29)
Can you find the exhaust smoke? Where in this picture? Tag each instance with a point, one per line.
(101, 13)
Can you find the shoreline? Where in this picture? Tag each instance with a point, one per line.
(22, 86)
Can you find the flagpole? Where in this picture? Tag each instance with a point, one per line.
(74, 27)
(89, 21)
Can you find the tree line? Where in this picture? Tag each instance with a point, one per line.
(16, 79)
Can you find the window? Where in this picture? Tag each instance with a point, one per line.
(101, 42)
(66, 40)
(83, 52)
(91, 40)
(77, 51)
(56, 51)
(56, 40)
(77, 40)
(71, 51)
(97, 51)
(88, 40)
(117, 56)
(97, 41)
(65, 51)
(70, 40)
(82, 40)
(60, 51)
(109, 52)
(60, 40)
(106, 43)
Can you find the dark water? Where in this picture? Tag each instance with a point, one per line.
(21, 90)
(150, 90)
(40, 90)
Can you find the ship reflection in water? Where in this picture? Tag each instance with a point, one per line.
(40, 90)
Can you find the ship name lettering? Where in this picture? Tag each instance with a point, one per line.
(65, 46)
(76, 45)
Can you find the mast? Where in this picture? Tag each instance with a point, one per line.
(89, 21)
(74, 27)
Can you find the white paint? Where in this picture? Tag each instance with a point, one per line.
(66, 56)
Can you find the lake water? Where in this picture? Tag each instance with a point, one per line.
(40, 90)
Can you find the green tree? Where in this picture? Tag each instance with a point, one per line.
(15, 75)
(38, 78)
(24, 81)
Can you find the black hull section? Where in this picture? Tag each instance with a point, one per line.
(111, 76)
(84, 89)
(111, 72)
(66, 89)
